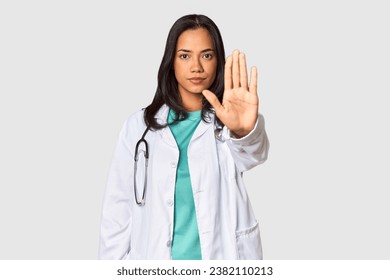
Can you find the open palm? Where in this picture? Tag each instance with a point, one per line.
(240, 103)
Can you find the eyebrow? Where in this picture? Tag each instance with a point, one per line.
(189, 51)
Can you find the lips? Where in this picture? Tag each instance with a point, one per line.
(197, 80)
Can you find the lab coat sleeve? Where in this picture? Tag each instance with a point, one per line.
(116, 211)
(251, 150)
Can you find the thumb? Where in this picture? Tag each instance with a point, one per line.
(213, 100)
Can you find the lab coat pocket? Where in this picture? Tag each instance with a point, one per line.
(249, 243)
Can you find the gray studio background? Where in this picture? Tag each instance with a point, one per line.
(72, 71)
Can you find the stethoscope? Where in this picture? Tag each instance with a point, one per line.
(137, 152)
(136, 157)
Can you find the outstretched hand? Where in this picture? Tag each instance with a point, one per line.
(239, 107)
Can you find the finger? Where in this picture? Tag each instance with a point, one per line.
(253, 81)
(213, 100)
(236, 70)
(228, 72)
(243, 71)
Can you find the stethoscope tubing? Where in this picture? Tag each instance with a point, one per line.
(136, 157)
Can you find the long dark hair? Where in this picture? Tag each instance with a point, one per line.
(167, 88)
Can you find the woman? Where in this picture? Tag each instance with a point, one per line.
(203, 130)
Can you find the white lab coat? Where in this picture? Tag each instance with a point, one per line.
(227, 226)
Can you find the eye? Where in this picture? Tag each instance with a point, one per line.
(208, 56)
(184, 56)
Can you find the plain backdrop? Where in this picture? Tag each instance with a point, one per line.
(72, 71)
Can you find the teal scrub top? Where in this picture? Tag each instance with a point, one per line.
(185, 243)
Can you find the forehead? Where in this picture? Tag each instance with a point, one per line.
(195, 39)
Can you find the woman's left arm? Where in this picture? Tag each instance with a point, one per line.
(250, 150)
(244, 126)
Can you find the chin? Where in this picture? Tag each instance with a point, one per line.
(198, 89)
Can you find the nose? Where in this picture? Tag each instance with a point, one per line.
(196, 66)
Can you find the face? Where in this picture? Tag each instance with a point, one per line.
(195, 65)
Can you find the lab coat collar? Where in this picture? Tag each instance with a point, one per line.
(162, 116)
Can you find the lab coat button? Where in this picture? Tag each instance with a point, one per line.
(169, 243)
(173, 164)
(170, 202)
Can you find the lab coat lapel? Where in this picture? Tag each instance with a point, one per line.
(204, 126)
(165, 133)
(201, 129)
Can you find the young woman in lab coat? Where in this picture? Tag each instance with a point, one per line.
(202, 130)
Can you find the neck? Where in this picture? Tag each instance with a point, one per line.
(192, 102)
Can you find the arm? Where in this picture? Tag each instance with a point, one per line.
(244, 126)
(116, 212)
(250, 150)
